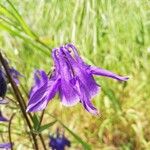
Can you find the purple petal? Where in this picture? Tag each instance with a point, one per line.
(86, 77)
(43, 95)
(68, 95)
(106, 73)
(15, 75)
(5, 145)
(2, 118)
(40, 78)
(53, 88)
(84, 97)
(38, 94)
(96, 70)
(77, 57)
(38, 106)
(3, 101)
(56, 62)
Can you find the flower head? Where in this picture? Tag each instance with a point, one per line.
(3, 82)
(14, 73)
(72, 78)
(59, 142)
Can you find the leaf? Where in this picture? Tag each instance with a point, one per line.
(84, 144)
(14, 19)
(21, 21)
(35, 122)
(5, 26)
(44, 127)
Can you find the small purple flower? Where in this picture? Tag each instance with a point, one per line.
(2, 118)
(15, 75)
(3, 82)
(72, 78)
(59, 142)
(5, 146)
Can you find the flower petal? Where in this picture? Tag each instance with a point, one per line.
(40, 78)
(106, 73)
(5, 145)
(68, 95)
(82, 73)
(43, 95)
(2, 118)
(37, 96)
(3, 101)
(15, 75)
(84, 97)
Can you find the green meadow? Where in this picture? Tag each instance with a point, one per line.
(111, 34)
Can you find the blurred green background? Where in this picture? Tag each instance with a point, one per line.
(112, 34)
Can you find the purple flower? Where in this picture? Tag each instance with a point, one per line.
(3, 82)
(59, 142)
(15, 75)
(72, 78)
(5, 146)
(2, 118)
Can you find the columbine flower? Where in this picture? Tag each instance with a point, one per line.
(59, 142)
(5, 146)
(72, 78)
(2, 118)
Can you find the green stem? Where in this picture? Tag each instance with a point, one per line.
(9, 130)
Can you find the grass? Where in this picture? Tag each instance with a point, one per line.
(112, 34)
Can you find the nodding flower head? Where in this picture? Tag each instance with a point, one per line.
(3, 82)
(72, 78)
(58, 142)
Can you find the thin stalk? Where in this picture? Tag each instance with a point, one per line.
(15, 88)
(31, 117)
(41, 118)
(9, 130)
(42, 141)
(40, 135)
